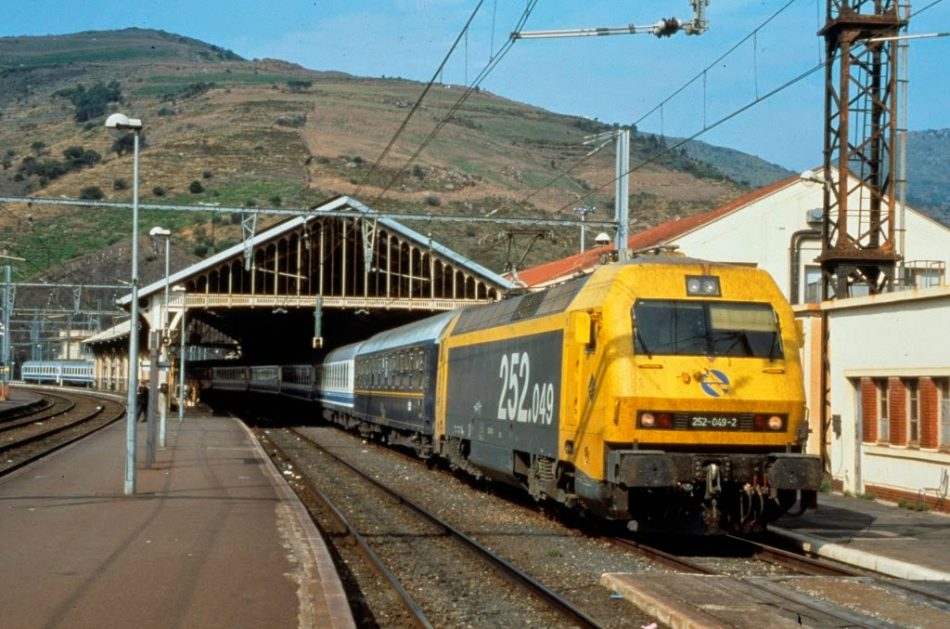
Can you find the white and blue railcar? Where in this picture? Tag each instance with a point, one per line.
(335, 378)
(73, 372)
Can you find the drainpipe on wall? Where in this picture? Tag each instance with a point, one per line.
(794, 257)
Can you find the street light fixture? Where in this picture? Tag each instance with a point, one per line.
(121, 122)
(157, 234)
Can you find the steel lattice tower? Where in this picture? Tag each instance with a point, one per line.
(858, 245)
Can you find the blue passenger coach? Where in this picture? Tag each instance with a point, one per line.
(396, 380)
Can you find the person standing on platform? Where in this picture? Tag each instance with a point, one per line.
(141, 402)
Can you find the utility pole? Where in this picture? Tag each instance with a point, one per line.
(622, 194)
(621, 138)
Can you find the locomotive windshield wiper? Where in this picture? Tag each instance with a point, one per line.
(643, 344)
(773, 346)
(737, 337)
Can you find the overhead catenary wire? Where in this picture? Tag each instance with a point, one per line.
(706, 127)
(661, 105)
(418, 103)
(702, 73)
(704, 130)
(469, 90)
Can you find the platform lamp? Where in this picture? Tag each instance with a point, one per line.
(161, 234)
(121, 122)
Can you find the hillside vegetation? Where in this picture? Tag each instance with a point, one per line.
(223, 131)
(928, 162)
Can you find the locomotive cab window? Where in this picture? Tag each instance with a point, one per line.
(711, 328)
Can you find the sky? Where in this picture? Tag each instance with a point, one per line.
(620, 79)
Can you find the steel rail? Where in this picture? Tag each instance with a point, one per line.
(49, 411)
(506, 569)
(660, 556)
(8, 469)
(43, 404)
(831, 569)
(374, 559)
(800, 563)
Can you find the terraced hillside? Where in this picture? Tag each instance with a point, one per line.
(265, 133)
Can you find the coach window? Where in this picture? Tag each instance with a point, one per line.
(883, 433)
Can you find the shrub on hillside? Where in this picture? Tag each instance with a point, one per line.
(91, 193)
(126, 143)
(92, 102)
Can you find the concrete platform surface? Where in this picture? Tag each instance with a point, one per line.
(213, 538)
(875, 536)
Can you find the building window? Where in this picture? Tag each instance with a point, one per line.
(943, 388)
(883, 433)
(912, 399)
(812, 284)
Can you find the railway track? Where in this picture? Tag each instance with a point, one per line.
(787, 591)
(49, 427)
(766, 575)
(438, 548)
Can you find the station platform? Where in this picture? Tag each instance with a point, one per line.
(874, 535)
(213, 537)
(18, 399)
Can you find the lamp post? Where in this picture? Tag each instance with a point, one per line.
(121, 122)
(160, 233)
(181, 358)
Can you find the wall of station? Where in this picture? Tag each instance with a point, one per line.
(890, 395)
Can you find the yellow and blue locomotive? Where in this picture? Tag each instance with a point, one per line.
(667, 392)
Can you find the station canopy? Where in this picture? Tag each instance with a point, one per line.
(332, 276)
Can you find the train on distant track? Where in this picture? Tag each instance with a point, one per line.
(71, 372)
(667, 392)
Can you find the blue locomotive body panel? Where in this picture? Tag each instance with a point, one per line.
(504, 396)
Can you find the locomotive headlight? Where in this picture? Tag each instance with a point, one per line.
(647, 420)
(703, 286)
(776, 422)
